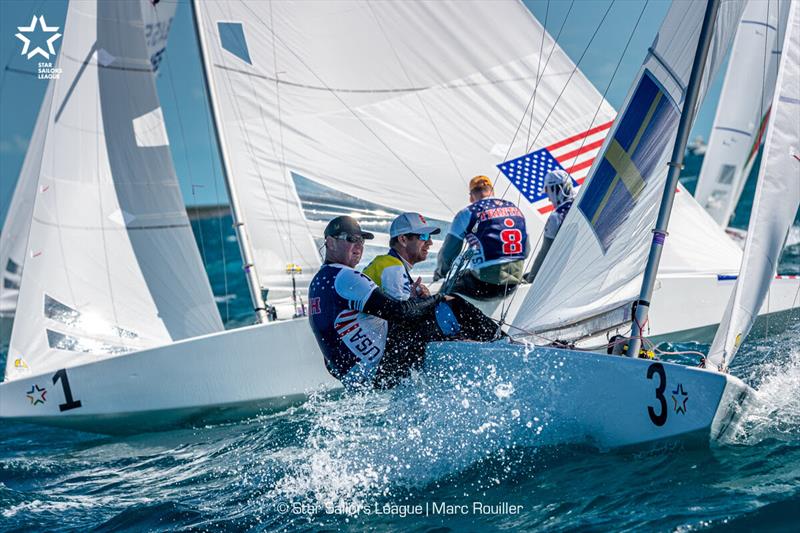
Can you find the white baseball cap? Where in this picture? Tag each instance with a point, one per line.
(411, 223)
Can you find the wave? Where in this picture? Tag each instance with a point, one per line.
(429, 428)
(794, 236)
(775, 412)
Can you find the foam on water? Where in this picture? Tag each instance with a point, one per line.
(794, 236)
(775, 413)
(363, 446)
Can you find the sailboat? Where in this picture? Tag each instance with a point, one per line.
(743, 109)
(136, 343)
(615, 401)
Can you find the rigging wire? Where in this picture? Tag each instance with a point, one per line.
(168, 67)
(284, 174)
(418, 94)
(217, 197)
(539, 70)
(351, 111)
(529, 261)
(282, 224)
(533, 94)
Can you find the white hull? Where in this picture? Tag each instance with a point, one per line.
(239, 372)
(607, 401)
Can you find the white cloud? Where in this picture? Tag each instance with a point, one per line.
(17, 144)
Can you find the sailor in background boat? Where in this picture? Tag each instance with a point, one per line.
(495, 228)
(367, 338)
(409, 243)
(558, 186)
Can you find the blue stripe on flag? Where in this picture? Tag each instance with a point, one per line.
(528, 171)
(630, 159)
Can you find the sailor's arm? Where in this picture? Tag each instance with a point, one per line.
(384, 307)
(537, 263)
(447, 254)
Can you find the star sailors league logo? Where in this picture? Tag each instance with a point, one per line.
(37, 395)
(574, 153)
(40, 43)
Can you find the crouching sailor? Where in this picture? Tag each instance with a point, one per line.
(495, 228)
(367, 338)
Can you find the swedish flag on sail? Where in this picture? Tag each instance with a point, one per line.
(645, 130)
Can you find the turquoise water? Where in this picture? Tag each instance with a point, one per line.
(417, 458)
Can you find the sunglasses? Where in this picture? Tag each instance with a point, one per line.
(421, 236)
(352, 239)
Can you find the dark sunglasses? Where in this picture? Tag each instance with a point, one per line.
(352, 239)
(420, 236)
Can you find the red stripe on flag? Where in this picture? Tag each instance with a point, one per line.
(580, 166)
(546, 209)
(578, 136)
(581, 150)
(348, 330)
(340, 325)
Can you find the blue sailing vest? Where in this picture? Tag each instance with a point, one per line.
(495, 228)
(352, 342)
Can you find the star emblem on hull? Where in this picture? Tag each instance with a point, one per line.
(37, 394)
(679, 397)
(26, 42)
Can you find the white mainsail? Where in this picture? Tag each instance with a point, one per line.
(397, 103)
(111, 264)
(774, 208)
(743, 108)
(597, 260)
(157, 19)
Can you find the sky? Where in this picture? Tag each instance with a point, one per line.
(596, 48)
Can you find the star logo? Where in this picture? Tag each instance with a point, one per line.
(37, 394)
(26, 42)
(679, 397)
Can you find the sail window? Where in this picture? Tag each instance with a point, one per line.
(9, 283)
(12, 267)
(149, 129)
(231, 38)
(61, 341)
(55, 310)
(726, 174)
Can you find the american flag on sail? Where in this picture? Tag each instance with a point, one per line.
(575, 154)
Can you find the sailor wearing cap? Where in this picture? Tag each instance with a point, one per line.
(495, 228)
(367, 338)
(558, 186)
(409, 242)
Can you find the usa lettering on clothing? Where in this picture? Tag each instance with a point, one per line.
(352, 342)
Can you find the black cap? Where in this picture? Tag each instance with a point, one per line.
(348, 226)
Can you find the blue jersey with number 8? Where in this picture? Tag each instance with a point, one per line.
(493, 227)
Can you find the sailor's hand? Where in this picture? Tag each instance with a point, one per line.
(419, 290)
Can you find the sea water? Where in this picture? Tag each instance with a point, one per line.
(430, 455)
